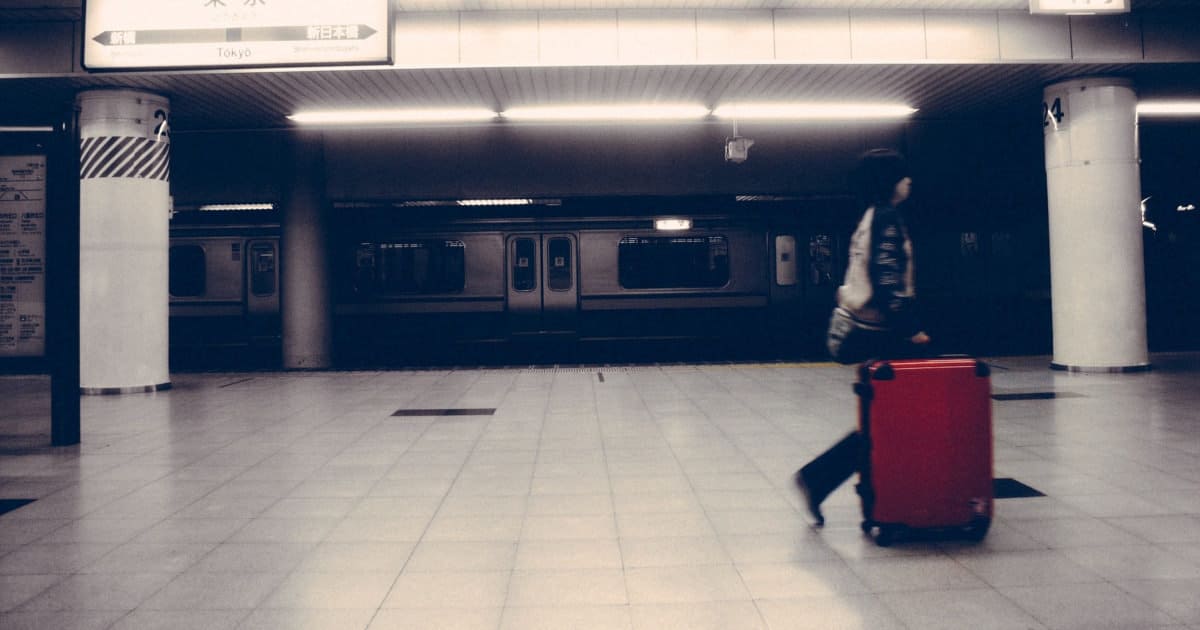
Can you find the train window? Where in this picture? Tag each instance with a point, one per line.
(820, 260)
(415, 267)
(524, 268)
(186, 271)
(558, 264)
(262, 270)
(660, 262)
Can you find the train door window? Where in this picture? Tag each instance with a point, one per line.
(785, 260)
(659, 262)
(186, 270)
(524, 267)
(820, 260)
(558, 264)
(364, 269)
(262, 270)
(420, 267)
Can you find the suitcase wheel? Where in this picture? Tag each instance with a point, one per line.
(884, 534)
(889, 534)
(977, 529)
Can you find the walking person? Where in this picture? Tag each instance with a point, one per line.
(875, 315)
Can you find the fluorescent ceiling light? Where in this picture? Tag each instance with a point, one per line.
(26, 129)
(1078, 7)
(494, 202)
(661, 111)
(811, 111)
(1169, 108)
(368, 116)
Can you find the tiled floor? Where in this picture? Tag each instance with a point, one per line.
(651, 498)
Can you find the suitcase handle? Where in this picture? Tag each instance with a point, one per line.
(884, 372)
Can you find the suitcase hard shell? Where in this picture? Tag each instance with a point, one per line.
(927, 430)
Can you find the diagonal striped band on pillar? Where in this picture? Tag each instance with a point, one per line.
(124, 156)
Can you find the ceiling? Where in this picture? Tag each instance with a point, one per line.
(70, 9)
(260, 99)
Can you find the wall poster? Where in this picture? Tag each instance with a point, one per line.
(22, 255)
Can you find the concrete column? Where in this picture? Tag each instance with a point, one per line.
(124, 174)
(1097, 285)
(304, 261)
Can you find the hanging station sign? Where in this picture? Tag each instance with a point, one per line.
(22, 255)
(169, 34)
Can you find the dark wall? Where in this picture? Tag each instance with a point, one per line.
(965, 171)
(527, 161)
(1171, 179)
(980, 231)
(232, 167)
(557, 161)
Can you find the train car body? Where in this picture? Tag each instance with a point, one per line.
(557, 288)
(224, 288)
(485, 286)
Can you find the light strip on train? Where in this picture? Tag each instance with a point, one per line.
(672, 224)
(494, 202)
(1169, 108)
(374, 116)
(621, 112)
(234, 207)
(812, 111)
(32, 129)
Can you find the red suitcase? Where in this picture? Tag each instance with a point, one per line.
(927, 429)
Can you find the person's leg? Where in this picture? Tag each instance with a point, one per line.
(820, 477)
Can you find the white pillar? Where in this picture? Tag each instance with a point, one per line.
(124, 172)
(306, 304)
(1097, 285)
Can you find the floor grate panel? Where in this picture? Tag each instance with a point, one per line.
(8, 505)
(1034, 395)
(1007, 488)
(444, 412)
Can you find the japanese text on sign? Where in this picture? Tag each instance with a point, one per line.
(22, 255)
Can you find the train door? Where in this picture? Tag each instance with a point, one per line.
(262, 290)
(543, 291)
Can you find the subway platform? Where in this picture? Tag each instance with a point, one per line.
(643, 497)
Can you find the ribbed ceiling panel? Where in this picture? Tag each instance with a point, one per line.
(263, 99)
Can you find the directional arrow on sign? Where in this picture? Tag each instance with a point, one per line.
(319, 32)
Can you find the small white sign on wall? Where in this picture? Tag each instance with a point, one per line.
(145, 34)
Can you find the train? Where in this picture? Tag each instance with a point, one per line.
(615, 280)
(549, 281)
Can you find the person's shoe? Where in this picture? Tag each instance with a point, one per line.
(814, 507)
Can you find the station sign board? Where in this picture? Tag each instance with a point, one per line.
(175, 34)
(1078, 7)
(22, 255)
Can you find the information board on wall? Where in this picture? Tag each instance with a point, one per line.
(22, 255)
(162, 34)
